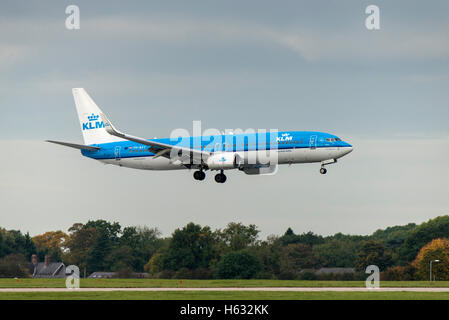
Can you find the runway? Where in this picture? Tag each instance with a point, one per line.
(284, 289)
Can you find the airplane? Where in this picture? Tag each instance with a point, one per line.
(252, 153)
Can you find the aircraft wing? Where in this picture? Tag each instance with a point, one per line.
(185, 155)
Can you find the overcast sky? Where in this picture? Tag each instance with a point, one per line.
(291, 65)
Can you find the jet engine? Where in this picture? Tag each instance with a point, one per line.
(224, 161)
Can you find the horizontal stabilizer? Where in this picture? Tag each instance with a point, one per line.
(74, 145)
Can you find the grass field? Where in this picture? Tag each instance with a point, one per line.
(214, 295)
(163, 283)
(224, 295)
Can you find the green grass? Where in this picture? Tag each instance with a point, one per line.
(162, 283)
(224, 295)
(214, 295)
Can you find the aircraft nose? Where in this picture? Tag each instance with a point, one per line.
(348, 149)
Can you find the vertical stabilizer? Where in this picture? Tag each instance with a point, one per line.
(92, 126)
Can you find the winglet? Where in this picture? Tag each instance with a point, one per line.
(109, 126)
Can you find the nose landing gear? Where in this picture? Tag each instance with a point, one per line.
(323, 170)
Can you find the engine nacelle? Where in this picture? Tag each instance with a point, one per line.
(223, 161)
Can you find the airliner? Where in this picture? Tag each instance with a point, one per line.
(252, 153)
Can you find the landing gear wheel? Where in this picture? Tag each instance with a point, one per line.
(323, 170)
(199, 175)
(220, 178)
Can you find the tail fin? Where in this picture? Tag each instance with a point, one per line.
(91, 123)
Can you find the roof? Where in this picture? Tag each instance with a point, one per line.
(334, 270)
(52, 270)
(101, 274)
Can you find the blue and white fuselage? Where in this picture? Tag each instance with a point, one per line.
(303, 147)
(252, 153)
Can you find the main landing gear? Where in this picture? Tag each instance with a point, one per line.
(220, 177)
(199, 175)
(323, 170)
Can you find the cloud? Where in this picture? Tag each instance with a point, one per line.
(427, 78)
(11, 54)
(321, 43)
(401, 45)
(311, 45)
(132, 83)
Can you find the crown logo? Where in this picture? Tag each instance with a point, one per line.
(93, 117)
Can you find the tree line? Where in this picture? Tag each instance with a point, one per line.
(195, 251)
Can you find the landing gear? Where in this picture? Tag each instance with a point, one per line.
(220, 178)
(199, 175)
(323, 170)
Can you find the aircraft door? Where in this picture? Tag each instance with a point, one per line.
(312, 142)
(117, 153)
